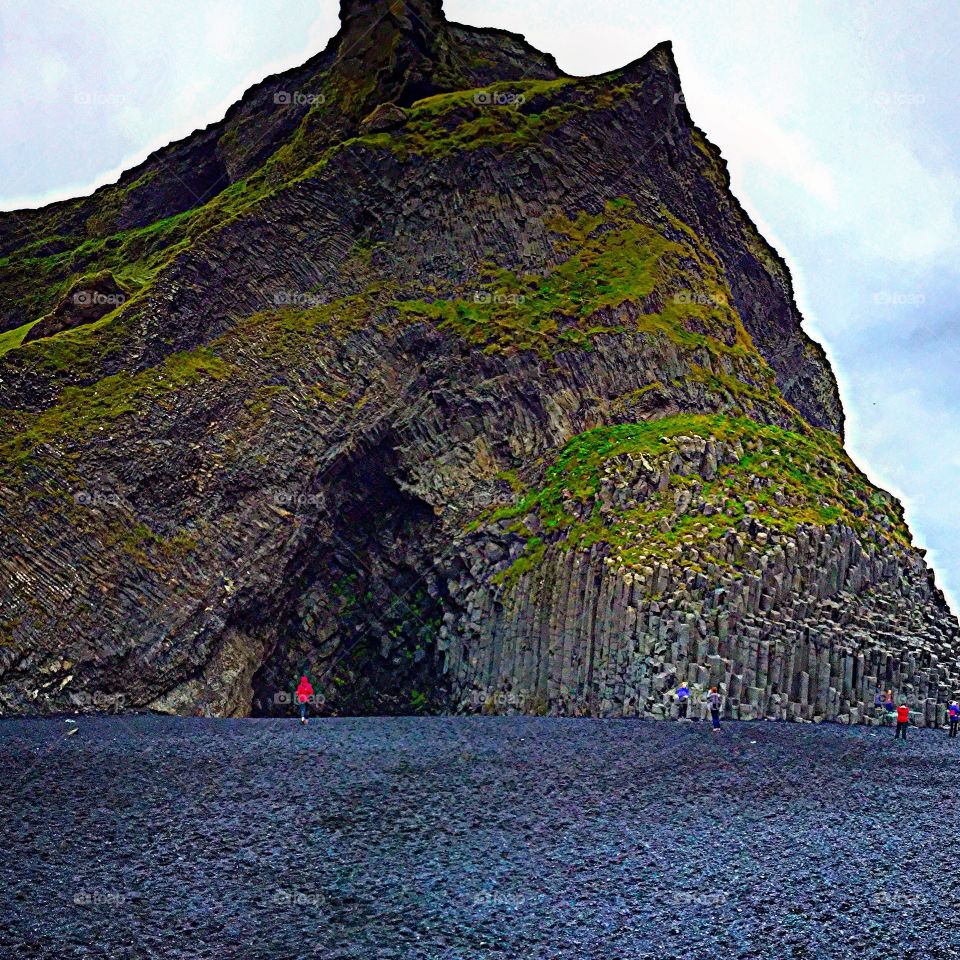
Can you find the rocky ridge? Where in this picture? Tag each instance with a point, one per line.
(796, 621)
(330, 426)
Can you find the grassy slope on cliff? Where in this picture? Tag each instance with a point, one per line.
(780, 477)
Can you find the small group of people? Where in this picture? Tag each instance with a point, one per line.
(884, 704)
(886, 708)
(712, 698)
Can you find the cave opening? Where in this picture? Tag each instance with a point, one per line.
(362, 602)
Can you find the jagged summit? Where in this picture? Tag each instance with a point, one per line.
(406, 50)
(357, 17)
(451, 380)
(384, 52)
(363, 23)
(402, 47)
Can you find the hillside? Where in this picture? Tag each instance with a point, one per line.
(457, 382)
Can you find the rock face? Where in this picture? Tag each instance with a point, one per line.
(792, 620)
(468, 385)
(86, 302)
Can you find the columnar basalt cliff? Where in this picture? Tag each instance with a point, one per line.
(452, 380)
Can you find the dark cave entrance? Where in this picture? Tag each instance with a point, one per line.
(362, 603)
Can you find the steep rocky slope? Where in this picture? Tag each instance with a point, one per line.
(460, 383)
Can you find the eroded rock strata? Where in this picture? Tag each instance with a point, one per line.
(457, 382)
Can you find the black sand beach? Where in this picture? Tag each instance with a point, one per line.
(149, 837)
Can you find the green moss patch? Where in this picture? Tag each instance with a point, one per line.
(782, 478)
(13, 338)
(82, 411)
(614, 259)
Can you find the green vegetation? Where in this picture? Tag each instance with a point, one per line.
(507, 114)
(419, 702)
(436, 126)
(287, 331)
(134, 257)
(720, 382)
(782, 478)
(715, 169)
(83, 410)
(36, 279)
(613, 259)
(617, 260)
(492, 116)
(13, 338)
(144, 546)
(281, 335)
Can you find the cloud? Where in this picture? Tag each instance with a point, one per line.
(230, 31)
(761, 140)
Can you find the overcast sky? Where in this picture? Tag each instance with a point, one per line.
(839, 121)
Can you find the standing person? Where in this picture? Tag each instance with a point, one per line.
(713, 698)
(304, 693)
(953, 713)
(889, 706)
(878, 704)
(903, 720)
(683, 697)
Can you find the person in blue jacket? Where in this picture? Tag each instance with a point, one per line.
(683, 699)
(878, 704)
(953, 714)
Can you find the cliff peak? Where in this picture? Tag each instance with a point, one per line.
(402, 47)
(360, 12)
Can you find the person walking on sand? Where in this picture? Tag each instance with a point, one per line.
(713, 699)
(304, 693)
(953, 714)
(903, 720)
(683, 698)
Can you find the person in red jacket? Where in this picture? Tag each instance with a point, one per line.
(304, 693)
(903, 719)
